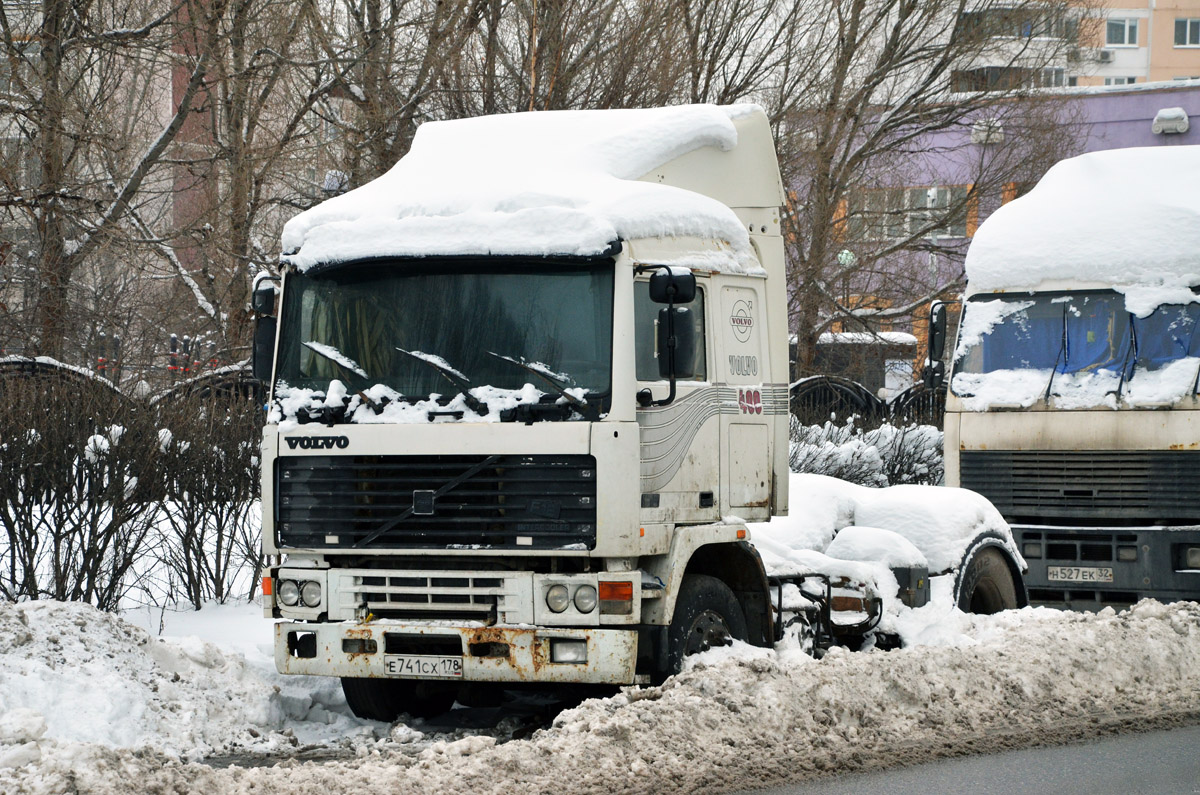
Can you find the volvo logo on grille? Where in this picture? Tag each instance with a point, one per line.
(318, 442)
(423, 503)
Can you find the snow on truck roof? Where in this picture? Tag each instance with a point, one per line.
(1129, 218)
(554, 183)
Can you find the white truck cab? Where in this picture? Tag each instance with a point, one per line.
(507, 458)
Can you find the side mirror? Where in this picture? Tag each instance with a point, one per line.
(264, 348)
(937, 331)
(262, 300)
(672, 286)
(934, 374)
(676, 342)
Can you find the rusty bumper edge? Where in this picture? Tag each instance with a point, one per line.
(489, 654)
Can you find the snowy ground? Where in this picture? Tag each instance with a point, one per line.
(93, 703)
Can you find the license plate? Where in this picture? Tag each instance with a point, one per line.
(424, 666)
(1079, 574)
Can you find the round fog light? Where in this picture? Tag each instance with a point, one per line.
(289, 593)
(310, 592)
(585, 598)
(557, 598)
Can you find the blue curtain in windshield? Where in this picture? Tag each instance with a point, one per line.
(1169, 333)
(1029, 339)
(1097, 334)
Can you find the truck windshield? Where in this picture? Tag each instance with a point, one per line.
(1083, 349)
(409, 331)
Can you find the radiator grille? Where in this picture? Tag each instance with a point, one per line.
(414, 595)
(1137, 485)
(445, 501)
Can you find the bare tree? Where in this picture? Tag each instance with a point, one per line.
(894, 91)
(72, 67)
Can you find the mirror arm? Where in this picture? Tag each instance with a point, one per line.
(670, 398)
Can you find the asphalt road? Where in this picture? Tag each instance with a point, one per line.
(1166, 762)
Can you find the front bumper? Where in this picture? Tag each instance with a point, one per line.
(1155, 566)
(489, 654)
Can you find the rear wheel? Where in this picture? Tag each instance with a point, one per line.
(387, 699)
(987, 585)
(706, 615)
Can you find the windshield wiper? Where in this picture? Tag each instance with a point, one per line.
(451, 375)
(1062, 348)
(348, 366)
(1130, 364)
(580, 405)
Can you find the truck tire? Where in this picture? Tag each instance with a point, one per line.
(387, 699)
(986, 585)
(706, 614)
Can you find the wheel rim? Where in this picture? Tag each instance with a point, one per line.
(708, 630)
(986, 599)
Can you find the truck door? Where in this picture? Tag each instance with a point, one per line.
(680, 442)
(745, 424)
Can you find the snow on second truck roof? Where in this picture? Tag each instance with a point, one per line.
(1129, 218)
(539, 184)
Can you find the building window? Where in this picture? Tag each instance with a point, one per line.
(899, 213)
(1187, 33)
(1121, 33)
(1119, 81)
(23, 54)
(1054, 77)
(1005, 78)
(1017, 23)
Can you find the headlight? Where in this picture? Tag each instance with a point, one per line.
(310, 592)
(557, 598)
(289, 593)
(585, 598)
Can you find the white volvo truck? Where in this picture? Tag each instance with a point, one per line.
(528, 389)
(1073, 400)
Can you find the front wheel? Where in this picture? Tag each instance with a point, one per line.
(986, 585)
(386, 699)
(706, 615)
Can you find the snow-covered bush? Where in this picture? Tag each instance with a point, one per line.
(887, 455)
(209, 521)
(108, 500)
(76, 490)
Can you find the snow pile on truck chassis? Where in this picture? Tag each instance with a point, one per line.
(738, 719)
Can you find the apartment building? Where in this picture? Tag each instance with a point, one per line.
(1146, 42)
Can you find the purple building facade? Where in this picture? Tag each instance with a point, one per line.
(1090, 119)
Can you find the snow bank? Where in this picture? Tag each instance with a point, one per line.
(1125, 217)
(540, 184)
(70, 674)
(742, 718)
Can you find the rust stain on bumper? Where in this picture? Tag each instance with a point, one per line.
(490, 654)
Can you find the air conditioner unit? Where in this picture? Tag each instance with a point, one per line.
(987, 131)
(1170, 120)
(1105, 56)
